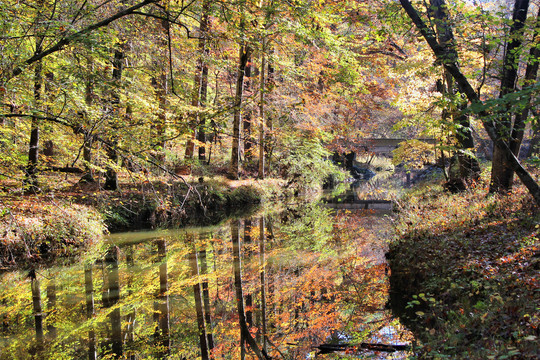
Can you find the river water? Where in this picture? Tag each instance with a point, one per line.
(284, 283)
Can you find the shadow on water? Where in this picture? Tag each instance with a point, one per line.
(311, 280)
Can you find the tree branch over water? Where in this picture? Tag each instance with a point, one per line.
(59, 45)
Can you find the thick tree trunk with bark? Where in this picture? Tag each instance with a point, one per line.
(262, 130)
(466, 88)
(247, 114)
(201, 76)
(88, 141)
(111, 177)
(469, 168)
(518, 127)
(243, 56)
(161, 85)
(201, 133)
(502, 173)
(31, 182)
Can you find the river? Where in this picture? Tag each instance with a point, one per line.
(311, 277)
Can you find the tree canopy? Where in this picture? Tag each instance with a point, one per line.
(102, 88)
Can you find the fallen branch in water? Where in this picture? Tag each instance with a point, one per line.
(330, 348)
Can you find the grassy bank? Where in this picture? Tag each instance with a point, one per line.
(464, 273)
(60, 222)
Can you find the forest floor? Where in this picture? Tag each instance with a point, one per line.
(66, 216)
(464, 272)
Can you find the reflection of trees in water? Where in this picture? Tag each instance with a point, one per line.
(206, 299)
(89, 297)
(51, 309)
(297, 277)
(245, 322)
(36, 306)
(110, 298)
(161, 304)
(131, 315)
(194, 264)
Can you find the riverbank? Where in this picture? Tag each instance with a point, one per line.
(61, 222)
(464, 273)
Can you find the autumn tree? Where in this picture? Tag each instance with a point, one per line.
(200, 86)
(497, 130)
(468, 165)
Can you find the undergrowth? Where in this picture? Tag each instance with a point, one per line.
(42, 232)
(465, 273)
(45, 226)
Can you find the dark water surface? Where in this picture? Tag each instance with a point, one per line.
(310, 275)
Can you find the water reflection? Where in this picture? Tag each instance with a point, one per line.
(110, 298)
(271, 286)
(161, 305)
(36, 305)
(197, 294)
(89, 292)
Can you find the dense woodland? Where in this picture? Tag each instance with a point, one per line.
(258, 88)
(125, 114)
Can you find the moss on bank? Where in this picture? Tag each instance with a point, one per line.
(179, 205)
(464, 274)
(32, 231)
(44, 227)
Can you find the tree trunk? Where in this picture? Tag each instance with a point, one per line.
(502, 173)
(198, 80)
(531, 73)
(534, 145)
(31, 182)
(111, 177)
(201, 134)
(88, 176)
(466, 88)
(469, 168)
(268, 147)
(262, 135)
(247, 114)
(243, 56)
(161, 86)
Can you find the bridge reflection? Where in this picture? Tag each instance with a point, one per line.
(356, 204)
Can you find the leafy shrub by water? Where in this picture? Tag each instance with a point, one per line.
(465, 271)
(56, 230)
